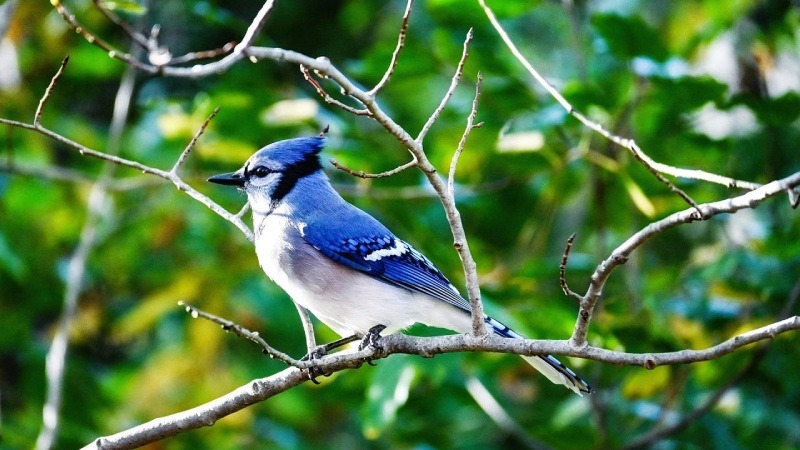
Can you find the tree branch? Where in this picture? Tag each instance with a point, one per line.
(620, 254)
(171, 175)
(470, 267)
(562, 271)
(240, 331)
(453, 84)
(401, 39)
(264, 388)
(362, 174)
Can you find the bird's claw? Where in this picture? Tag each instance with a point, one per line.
(316, 353)
(371, 339)
(315, 371)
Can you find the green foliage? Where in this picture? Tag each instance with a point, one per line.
(529, 177)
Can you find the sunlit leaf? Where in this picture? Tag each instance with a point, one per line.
(643, 204)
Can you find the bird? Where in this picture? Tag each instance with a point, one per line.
(342, 264)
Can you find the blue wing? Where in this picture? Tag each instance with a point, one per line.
(357, 240)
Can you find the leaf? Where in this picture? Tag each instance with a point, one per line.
(639, 198)
(151, 309)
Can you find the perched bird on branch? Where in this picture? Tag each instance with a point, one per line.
(343, 265)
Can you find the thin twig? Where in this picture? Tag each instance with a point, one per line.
(95, 40)
(362, 174)
(327, 97)
(449, 200)
(203, 54)
(138, 38)
(401, 39)
(451, 175)
(453, 84)
(562, 271)
(150, 44)
(240, 331)
(190, 146)
(37, 117)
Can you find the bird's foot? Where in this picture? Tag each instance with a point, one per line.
(314, 355)
(319, 352)
(371, 339)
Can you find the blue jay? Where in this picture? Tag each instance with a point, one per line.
(343, 265)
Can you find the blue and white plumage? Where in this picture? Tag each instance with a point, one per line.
(343, 265)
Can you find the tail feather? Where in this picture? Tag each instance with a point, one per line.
(549, 366)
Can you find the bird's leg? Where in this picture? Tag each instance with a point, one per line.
(322, 350)
(371, 339)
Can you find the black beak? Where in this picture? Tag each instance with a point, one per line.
(228, 179)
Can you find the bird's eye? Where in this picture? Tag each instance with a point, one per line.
(261, 171)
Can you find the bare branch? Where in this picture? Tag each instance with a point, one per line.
(138, 38)
(562, 275)
(204, 415)
(264, 388)
(460, 148)
(177, 181)
(73, 23)
(240, 331)
(401, 39)
(203, 54)
(362, 174)
(37, 117)
(453, 84)
(190, 146)
(325, 96)
(620, 254)
(449, 201)
(238, 52)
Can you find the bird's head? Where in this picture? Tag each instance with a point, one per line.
(273, 171)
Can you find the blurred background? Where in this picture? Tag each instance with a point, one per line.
(710, 85)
